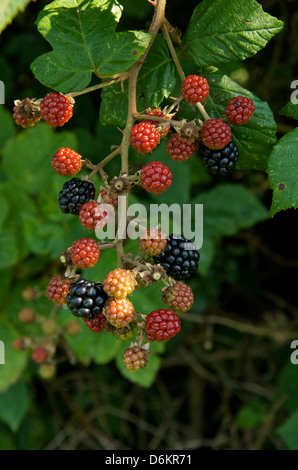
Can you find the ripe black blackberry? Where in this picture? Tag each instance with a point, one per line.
(86, 299)
(180, 258)
(219, 162)
(74, 194)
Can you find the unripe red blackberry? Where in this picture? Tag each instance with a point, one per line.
(93, 216)
(179, 297)
(119, 283)
(19, 344)
(240, 110)
(66, 162)
(55, 109)
(58, 289)
(162, 128)
(156, 177)
(180, 149)
(144, 137)
(108, 199)
(27, 315)
(195, 89)
(119, 312)
(216, 134)
(40, 354)
(84, 253)
(162, 325)
(153, 242)
(96, 324)
(135, 357)
(26, 113)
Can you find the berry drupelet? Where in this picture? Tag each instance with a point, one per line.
(86, 299)
(180, 257)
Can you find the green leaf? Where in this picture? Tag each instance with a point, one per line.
(14, 403)
(89, 346)
(155, 83)
(222, 31)
(290, 110)
(43, 237)
(7, 126)
(8, 247)
(288, 385)
(254, 139)
(27, 157)
(289, 432)
(143, 377)
(251, 415)
(82, 34)
(283, 173)
(4, 208)
(15, 361)
(9, 9)
(227, 208)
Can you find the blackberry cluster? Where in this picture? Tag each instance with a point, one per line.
(74, 194)
(221, 161)
(86, 299)
(180, 258)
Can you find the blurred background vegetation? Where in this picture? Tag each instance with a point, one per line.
(237, 388)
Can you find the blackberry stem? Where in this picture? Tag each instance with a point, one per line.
(178, 66)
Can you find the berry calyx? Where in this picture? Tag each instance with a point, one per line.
(26, 113)
(97, 324)
(180, 149)
(179, 297)
(74, 194)
(240, 110)
(119, 283)
(216, 134)
(84, 253)
(86, 299)
(153, 242)
(66, 162)
(135, 358)
(93, 216)
(119, 312)
(40, 354)
(162, 128)
(156, 177)
(195, 89)
(180, 257)
(55, 109)
(144, 137)
(58, 289)
(162, 325)
(219, 162)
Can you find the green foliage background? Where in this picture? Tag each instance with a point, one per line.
(233, 354)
